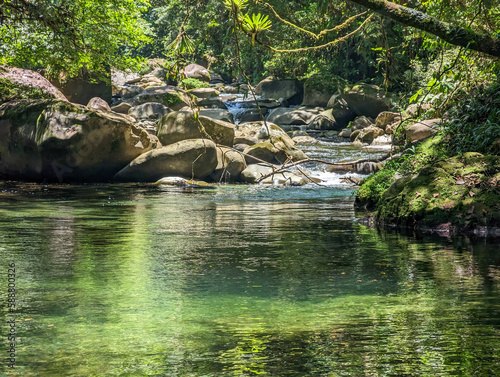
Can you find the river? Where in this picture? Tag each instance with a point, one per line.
(237, 280)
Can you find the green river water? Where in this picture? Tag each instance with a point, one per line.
(237, 280)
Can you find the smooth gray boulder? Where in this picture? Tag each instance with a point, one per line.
(60, 141)
(196, 71)
(194, 158)
(290, 90)
(186, 124)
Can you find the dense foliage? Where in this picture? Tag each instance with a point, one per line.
(67, 36)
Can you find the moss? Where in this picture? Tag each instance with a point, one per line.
(10, 91)
(193, 84)
(171, 99)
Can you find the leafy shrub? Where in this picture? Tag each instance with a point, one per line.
(476, 122)
(193, 84)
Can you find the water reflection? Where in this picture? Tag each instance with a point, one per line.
(134, 280)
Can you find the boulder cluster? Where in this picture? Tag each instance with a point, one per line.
(154, 130)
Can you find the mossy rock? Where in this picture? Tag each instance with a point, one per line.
(463, 191)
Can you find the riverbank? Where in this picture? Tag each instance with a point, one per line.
(432, 192)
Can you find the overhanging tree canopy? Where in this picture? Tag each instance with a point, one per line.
(454, 34)
(66, 35)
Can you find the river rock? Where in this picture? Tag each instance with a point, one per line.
(382, 140)
(321, 123)
(122, 108)
(290, 90)
(360, 123)
(60, 141)
(292, 116)
(338, 109)
(254, 172)
(367, 100)
(230, 164)
(211, 103)
(196, 71)
(305, 140)
(28, 81)
(387, 118)
(423, 129)
(417, 109)
(149, 110)
(367, 167)
(219, 114)
(98, 104)
(184, 124)
(252, 115)
(368, 134)
(204, 92)
(255, 132)
(279, 151)
(167, 95)
(194, 158)
(216, 78)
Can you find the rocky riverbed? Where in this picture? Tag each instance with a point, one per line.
(216, 133)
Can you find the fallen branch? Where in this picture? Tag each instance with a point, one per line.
(349, 163)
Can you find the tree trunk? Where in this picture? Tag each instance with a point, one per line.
(453, 34)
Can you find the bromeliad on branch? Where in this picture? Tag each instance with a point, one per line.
(255, 24)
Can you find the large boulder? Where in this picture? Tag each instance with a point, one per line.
(82, 88)
(149, 110)
(196, 71)
(60, 141)
(423, 129)
(279, 150)
(365, 99)
(186, 124)
(292, 116)
(167, 95)
(18, 83)
(290, 90)
(194, 158)
(230, 164)
(340, 111)
(318, 91)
